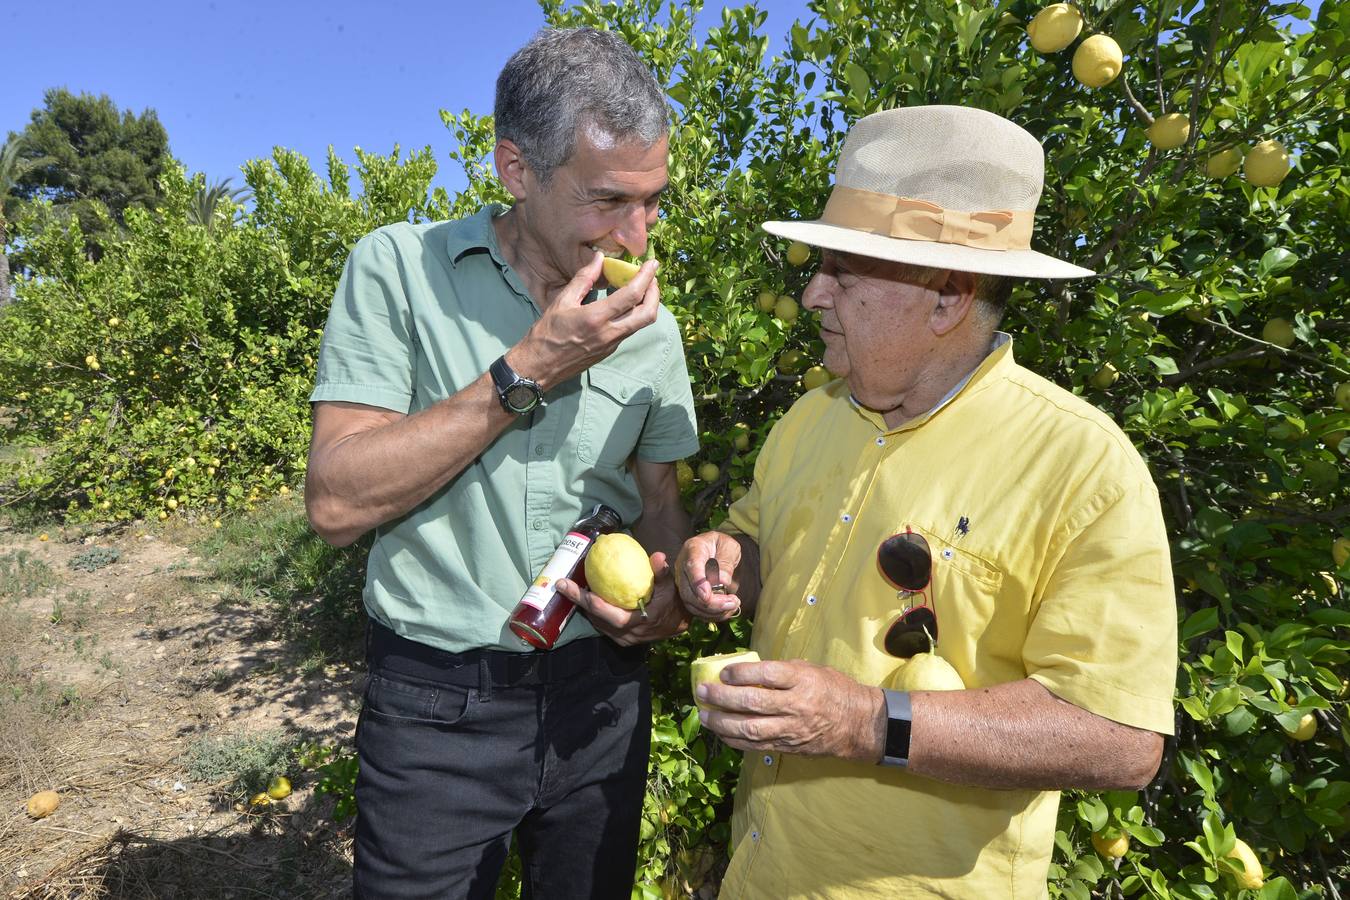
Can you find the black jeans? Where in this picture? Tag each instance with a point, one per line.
(457, 751)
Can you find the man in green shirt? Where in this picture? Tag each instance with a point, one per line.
(476, 395)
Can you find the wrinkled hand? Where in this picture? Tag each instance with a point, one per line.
(662, 617)
(706, 560)
(795, 707)
(569, 337)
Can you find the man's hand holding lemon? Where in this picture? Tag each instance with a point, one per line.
(630, 596)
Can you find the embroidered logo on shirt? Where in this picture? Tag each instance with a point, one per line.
(962, 527)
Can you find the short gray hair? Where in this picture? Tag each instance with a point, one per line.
(566, 79)
(991, 291)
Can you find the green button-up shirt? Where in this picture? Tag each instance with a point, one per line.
(420, 313)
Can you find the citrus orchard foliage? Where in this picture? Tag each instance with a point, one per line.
(1215, 336)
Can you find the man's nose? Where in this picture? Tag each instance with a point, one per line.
(817, 293)
(631, 232)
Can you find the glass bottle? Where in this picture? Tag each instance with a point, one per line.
(542, 613)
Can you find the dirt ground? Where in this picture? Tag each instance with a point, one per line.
(109, 676)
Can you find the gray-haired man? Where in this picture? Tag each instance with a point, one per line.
(471, 403)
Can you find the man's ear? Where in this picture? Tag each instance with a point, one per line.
(511, 169)
(956, 296)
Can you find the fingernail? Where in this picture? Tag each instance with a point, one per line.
(701, 692)
(703, 717)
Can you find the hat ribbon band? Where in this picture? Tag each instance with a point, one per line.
(919, 220)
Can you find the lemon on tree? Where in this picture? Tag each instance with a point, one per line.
(789, 361)
(815, 377)
(1223, 163)
(1340, 551)
(1111, 847)
(1097, 61)
(785, 308)
(708, 670)
(1266, 164)
(618, 569)
(1306, 728)
(1251, 877)
(1055, 27)
(1343, 395)
(1104, 377)
(737, 492)
(1279, 332)
(709, 471)
(798, 253)
(1170, 131)
(684, 474)
(740, 436)
(766, 300)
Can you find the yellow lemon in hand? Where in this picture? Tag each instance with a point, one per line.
(1055, 27)
(1097, 61)
(927, 672)
(618, 272)
(708, 669)
(618, 569)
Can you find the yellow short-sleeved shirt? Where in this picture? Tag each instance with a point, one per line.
(1050, 561)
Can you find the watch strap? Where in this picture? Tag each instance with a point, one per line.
(898, 722)
(505, 379)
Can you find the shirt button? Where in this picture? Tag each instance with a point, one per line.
(881, 442)
(540, 450)
(538, 525)
(768, 760)
(846, 518)
(754, 835)
(811, 600)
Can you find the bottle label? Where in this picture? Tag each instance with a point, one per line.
(560, 565)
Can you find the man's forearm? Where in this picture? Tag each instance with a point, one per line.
(1019, 735)
(360, 480)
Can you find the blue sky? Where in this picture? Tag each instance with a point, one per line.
(232, 78)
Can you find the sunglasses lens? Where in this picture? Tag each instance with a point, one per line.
(905, 561)
(912, 633)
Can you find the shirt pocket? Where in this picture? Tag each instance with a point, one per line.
(613, 410)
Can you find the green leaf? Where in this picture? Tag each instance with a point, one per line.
(1199, 623)
(1274, 261)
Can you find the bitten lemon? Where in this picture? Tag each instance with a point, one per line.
(1097, 61)
(927, 672)
(43, 804)
(1266, 164)
(618, 569)
(618, 272)
(1223, 163)
(1170, 131)
(1111, 848)
(708, 670)
(798, 253)
(1055, 27)
(1251, 877)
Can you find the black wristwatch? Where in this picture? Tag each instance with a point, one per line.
(518, 395)
(898, 720)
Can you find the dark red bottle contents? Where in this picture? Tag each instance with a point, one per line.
(542, 612)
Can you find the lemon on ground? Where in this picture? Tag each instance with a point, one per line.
(618, 272)
(1278, 332)
(766, 300)
(709, 471)
(260, 799)
(785, 308)
(927, 672)
(618, 569)
(1055, 27)
(798, 253)
(1111, 848)
(708, 669)
(279, 788)
(815, 377)
(43, 804)
(1223, 163)
(1266, 164)
(1251, 876)
(1170, 131)
(1097, 61)
(1104, 377)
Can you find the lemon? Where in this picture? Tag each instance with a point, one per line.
(1055, 27)
(43, 804)
(708, 669)
(92, 361)
(785, 308)
(798, 253)
(1170, 131)
(618, 569)
(737, 492)
(1307, 727)
(1097, 61)
(260, 799)
(1223, 163)
(1278, 332)
(789, 361)
(766, 300)
(1251, 876)
(684, 474)
(709, 471)
(740, 436)
(1340, 551)
(927, 672)
(1266, 164)
(1104, 377)
(1113, 848)
(815, 377)
(618, 272)
(279, 788)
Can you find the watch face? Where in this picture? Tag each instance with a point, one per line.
(522, 398)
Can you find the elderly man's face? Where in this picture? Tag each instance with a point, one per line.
(875, 321)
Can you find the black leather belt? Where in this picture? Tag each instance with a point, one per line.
(388, 650)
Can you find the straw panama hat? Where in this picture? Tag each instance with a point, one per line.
(941, 186)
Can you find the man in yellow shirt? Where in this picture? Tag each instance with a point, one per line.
(936, 490)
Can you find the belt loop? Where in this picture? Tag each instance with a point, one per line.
(484, 681)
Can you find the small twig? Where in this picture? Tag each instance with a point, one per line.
(1140, 110)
